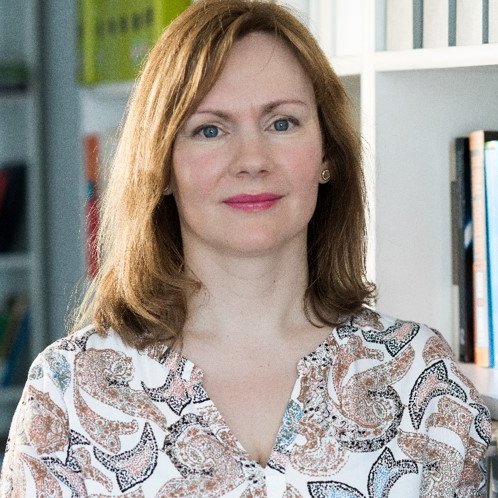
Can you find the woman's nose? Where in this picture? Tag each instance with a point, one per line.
(253, 155)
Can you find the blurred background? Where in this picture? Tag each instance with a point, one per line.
(422, 76)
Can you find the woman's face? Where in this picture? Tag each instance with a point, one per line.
(247, 163)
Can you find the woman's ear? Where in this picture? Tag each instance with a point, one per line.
(325, 173)
(170, 187)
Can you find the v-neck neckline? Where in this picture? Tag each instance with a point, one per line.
(193, 373)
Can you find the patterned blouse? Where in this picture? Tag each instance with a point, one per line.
(379, 409)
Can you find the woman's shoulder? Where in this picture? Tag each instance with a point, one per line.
(394, 335)
(62, 354)
(418, 358)
(88, 337)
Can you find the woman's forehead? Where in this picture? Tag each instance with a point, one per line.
(260, 68)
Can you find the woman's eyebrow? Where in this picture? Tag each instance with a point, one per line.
(269, 107)
(276, 103)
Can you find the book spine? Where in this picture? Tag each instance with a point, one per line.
(91, 150)
(13, 209)
(15, 371)
(451, 23)
(348, 27)
(418, 17)
(469, 29)
(491, 182)
(455, 249)
(485, 21)
(399, 25)
(436, 23)
(380, 25)
(493, 21)
(463, 257)
(87, 42)
(480, 272)
(165, 12)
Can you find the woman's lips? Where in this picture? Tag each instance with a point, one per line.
(252, 202)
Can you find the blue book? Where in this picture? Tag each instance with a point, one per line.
(15, 371)
(491, 189)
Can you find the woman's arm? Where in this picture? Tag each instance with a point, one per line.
(37, 461)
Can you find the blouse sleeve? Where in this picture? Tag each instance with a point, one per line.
(447, 407)
(472, 479)
(37, 461)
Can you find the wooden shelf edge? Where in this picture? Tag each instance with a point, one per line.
(436, 58)
(15, 96)
(118, 90)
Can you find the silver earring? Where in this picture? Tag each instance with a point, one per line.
(167, 190)
(325, 175)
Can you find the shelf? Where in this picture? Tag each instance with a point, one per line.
(436, 58)
(14, 97)
(486, 382)
(15, 262)
(116, 91)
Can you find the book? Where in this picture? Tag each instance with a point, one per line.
(469, 25)
(13, 311)
(380, 25)
(13, 77)
(13, 192)
(98, 150)
(435, 23)
(452, 22)
(399, 25)
(482, 338)
(116, 36)
(418, 16)
(462, 247)
(91, 161)
(492, 21)
(17, 362)
(491, 185)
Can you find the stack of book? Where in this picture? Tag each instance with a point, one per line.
(13, 77)
(116, 36)
(14, 340)
(475, 245)
(440, 23)
(12, 206)
(99, 149)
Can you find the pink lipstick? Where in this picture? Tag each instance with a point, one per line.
(252, 202)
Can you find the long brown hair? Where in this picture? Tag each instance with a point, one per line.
(141, 290)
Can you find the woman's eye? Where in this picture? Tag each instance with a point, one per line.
(282, 125)
(209, 131)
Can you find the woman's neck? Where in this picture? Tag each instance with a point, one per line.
(256, 298)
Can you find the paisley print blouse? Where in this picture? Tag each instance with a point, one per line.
(379, 409)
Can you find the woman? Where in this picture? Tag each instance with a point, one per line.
(231, 352)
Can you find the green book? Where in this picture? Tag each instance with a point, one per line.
(13, 76)
(116, 35)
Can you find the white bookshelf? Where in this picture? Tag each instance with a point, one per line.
(410, 105)
(21, 140)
